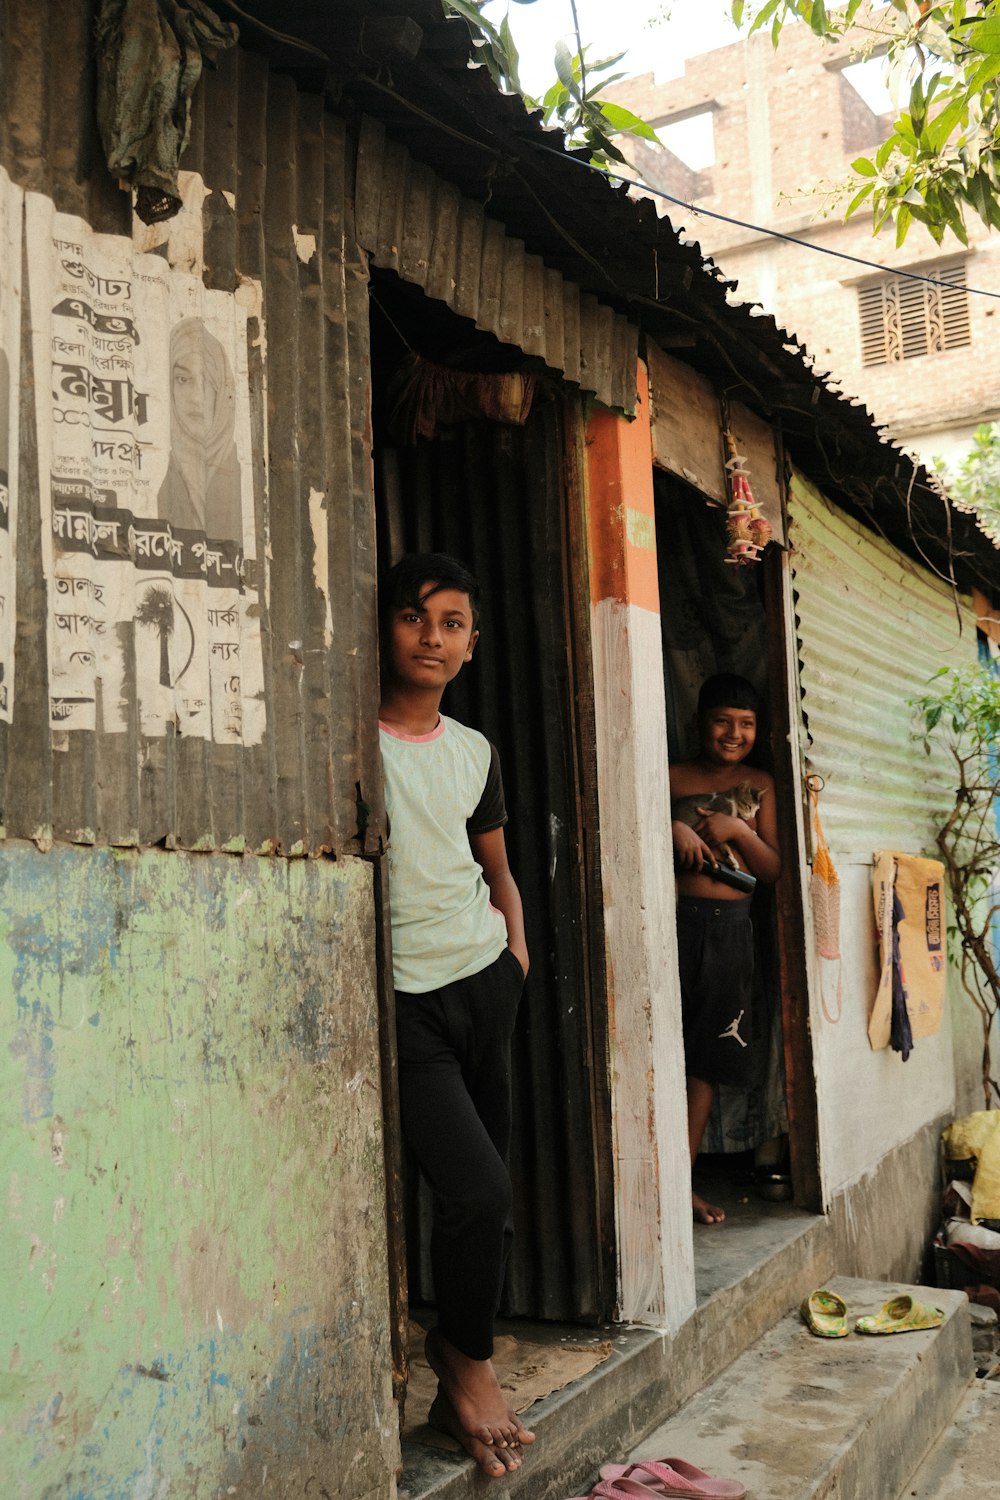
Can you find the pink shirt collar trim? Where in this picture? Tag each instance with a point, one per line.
(414, 739)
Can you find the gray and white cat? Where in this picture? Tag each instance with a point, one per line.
(740, 801)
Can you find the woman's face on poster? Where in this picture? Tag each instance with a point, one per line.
(192, 397)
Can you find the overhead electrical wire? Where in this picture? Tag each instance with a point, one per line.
(777, 234)
(646, 187)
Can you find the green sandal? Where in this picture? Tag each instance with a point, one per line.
(825, 1314)
(902, 1314)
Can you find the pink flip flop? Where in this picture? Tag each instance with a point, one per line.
(667, 1476)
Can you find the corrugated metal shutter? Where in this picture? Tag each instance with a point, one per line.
(420, 227)
(872, 628)
(280, 170)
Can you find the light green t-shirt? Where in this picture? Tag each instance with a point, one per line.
(443, 926)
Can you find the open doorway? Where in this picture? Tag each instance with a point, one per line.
(760, 1142)
(492, 493)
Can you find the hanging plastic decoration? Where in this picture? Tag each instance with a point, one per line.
(748, 531)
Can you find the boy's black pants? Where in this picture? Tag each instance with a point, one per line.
(454, 1097)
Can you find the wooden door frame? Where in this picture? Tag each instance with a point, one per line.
(576, 593)
(800, 1074)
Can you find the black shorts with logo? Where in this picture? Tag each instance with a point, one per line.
(716, 954)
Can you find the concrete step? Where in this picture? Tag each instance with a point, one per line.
(747, 1278)
(765, 1262)
(964, 1463)
(801, 1418)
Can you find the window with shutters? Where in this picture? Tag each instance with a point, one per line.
(903, 319)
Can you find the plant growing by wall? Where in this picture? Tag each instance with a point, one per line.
(962, 709)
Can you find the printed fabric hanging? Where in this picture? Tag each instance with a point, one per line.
(824, 895)
(908, 896)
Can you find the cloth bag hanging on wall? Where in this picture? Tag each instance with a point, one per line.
(908, 893)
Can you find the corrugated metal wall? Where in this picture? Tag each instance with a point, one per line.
(873, 627)
(420, 227)
(277, 164)
(281, 174)
(493, 496)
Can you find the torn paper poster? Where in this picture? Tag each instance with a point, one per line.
(146, 452)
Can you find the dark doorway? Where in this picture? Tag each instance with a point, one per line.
(493, 495)
(717, 617)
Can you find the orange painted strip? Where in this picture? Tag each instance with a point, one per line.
(987, 615)
(620, 518)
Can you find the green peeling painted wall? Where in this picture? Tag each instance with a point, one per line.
(194, 1251)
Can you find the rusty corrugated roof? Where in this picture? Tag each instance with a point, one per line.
(417, 74)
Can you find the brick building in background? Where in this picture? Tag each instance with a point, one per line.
(758, 134)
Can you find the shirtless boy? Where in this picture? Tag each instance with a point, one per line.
(714, 933)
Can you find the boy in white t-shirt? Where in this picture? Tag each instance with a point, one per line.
(459, 961)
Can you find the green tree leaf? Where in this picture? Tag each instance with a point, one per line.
(984, 74)
(510, 60)
(944, 145)
(944, 122)
(983, 35)
(859, 198)
(555, 97)
(884, 152)
(621, 119)
(565, 70)
(764, 15)
(817, 18)
(903, 217)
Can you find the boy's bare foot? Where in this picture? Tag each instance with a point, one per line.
(494, 1462)
(706, 1213)
(474, 1395)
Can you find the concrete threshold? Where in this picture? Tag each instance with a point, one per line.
(748, 1273)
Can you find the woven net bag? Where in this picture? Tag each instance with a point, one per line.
(824, 895)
